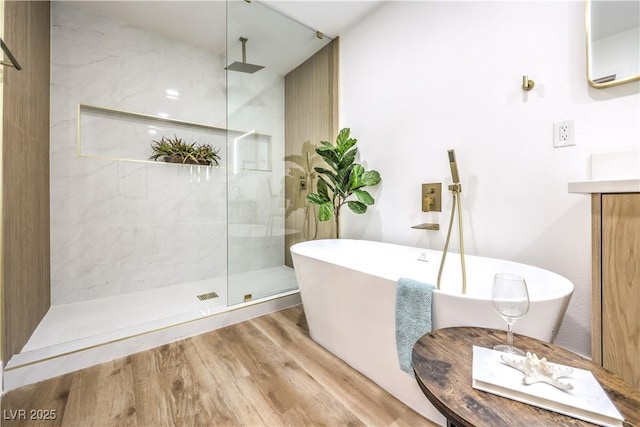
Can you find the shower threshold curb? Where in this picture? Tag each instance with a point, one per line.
(31, 372)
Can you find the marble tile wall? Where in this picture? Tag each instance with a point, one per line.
(121, 226)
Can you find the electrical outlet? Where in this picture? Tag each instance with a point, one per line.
(563, 134)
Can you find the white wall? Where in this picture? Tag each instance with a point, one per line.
(418, 78)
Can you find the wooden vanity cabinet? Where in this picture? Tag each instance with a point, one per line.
(615, 341)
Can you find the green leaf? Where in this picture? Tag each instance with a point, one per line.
(364, 197)
(343, 135)
(328, 184)
(348, 144)
(343, 186)
(344, 173)
(326, 148)
(317, 199)
(355, 178)
(357, 207)
(331, 174)
(329, 156)
(344, 142)
(371, 177)
(348, 158)
(326, 211)
(323, 189)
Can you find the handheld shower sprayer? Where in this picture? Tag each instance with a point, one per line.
(454, 166)
(455, 188)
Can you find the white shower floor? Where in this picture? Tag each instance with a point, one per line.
(70, 327)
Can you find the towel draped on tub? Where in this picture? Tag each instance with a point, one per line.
(413, 317)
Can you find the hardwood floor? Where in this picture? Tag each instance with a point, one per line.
(262, 372)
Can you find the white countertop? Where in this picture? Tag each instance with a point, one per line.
(613, 186)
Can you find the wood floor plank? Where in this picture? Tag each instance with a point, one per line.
(160, 412)
(102, 394)
(263, 372)
(51, 400)
(223, 381)
(321, 407)
(249, 389)
(159, 359)
(280, 379)
(410, 418)
(367, 400)
(183, 387)
(216, 355)
(245, 409)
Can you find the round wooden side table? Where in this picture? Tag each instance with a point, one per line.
(442, 362)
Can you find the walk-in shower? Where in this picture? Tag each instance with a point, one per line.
(139, 245)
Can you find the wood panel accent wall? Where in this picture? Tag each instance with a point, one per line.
(311, 116)
(25, 253)
(616, 340)
(596, 278)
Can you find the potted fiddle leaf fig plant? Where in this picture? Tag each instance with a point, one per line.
(342, 179)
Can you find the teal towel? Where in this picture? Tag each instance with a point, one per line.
(413, 317)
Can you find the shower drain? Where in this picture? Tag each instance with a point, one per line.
(210, 295)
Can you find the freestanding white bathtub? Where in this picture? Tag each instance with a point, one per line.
(348, 290)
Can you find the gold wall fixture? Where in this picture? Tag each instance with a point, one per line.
(527, 83)
(432, 197)
(427, 226)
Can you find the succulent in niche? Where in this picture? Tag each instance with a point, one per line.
(177, 150)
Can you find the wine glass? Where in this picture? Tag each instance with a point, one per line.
(510, 299)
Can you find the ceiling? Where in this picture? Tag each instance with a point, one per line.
(204, 24)
(332, 17)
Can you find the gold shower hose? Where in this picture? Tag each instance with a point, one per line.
(455, 189)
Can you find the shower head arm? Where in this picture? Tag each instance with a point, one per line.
(244, 49)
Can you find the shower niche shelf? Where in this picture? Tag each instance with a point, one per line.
(106, 133)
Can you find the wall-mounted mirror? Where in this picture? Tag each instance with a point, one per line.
(613, 42)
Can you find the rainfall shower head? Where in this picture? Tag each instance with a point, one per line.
(243, 66)
(454, 166)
